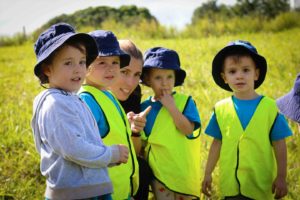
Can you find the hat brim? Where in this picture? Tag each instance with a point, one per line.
(89, 42)
(124, 57)
(289, 105)
(180, 75)
(217, 66)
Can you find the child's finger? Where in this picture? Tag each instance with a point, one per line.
(273, 188)
(130, 115)
(145, 112)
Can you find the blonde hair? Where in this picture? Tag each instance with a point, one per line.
(129, 47)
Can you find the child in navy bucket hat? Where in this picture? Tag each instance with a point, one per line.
(249, 133)
(172, 128)
(289, 104)
(74, 159)
(112, 121)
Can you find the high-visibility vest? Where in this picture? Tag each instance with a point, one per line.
(247, 161)
(173, 157)
(125, 177)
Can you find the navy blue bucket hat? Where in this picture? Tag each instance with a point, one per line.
(289, 104)
(108, 45)
(233, 48)
(54, 37)
(163, 58)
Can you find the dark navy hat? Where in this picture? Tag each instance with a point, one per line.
(289, 104)
(55, 36)
(108, 45)
(163, 58)
(236, 47)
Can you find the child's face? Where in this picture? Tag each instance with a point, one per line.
(240, 74)
(128, 80)
(103, 72)
(67, 69)
(161, 80)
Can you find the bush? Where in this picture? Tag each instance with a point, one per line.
(284, 21)
(17, 39)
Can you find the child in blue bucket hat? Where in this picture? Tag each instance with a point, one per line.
(172, 128)
(114, 127)
(289, 104)
(74, 159)
(249, 133)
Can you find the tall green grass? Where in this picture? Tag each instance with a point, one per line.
(19, 162)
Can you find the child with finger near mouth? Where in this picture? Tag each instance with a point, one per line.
(172, 128)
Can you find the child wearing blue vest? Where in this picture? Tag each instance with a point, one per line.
(173, 148)
(112, 121)
(289, 104)
(74, 159)
(249, 133)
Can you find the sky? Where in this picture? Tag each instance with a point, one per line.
(31, 14)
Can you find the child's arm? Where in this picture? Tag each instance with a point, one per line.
(181, 122)
(213, 157)
(279, 186)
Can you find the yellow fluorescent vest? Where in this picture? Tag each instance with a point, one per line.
(247, 161)
(125, 177)
(174, 159)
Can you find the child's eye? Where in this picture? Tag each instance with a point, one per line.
(246, 70)
(83, 62)
(124, 72)
(170, 76)
(231, 71)
(138, 74)
(68, 63)
(116, 63)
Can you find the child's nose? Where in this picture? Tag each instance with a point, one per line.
(239, 74)
(80, 67)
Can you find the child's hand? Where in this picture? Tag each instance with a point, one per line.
(206, 185)
(279, 187)
(167, 100)
(138, 121)
(123, 150)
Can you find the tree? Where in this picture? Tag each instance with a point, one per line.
(267, 8)
(210, 10)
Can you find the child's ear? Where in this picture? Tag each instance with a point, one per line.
(257, 72)
(146, 81)
(223, 77)
(45, 70)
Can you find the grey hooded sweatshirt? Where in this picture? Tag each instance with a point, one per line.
(74, 159)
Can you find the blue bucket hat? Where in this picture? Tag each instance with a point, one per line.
(54, 37)
(289, 104)
(163, 58)
(236, 47)
(108, 45)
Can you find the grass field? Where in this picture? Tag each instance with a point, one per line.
(19, 162)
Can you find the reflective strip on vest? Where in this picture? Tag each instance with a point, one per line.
(125, 177)
(173, 157)
(247, 161)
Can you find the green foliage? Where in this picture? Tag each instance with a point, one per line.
(128, 16)
(19, 166)
(284, 21)
(266, 8)
(211, 10)
(219, 25)
(210, 19)
(261, 8)
(17, 39)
